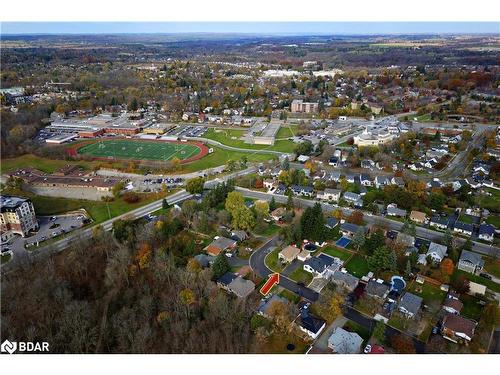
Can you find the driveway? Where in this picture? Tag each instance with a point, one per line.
(321, 343)
(258, 265)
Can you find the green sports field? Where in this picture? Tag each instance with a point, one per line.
(139, 150)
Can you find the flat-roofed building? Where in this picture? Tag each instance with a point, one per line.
(17, 216)
(299, 106)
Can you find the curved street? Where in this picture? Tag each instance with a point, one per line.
(258, 265)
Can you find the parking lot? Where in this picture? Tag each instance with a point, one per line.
(50, 227)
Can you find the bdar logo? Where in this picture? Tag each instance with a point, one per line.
(8, 347)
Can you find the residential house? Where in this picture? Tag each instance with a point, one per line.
(367, 164)
(405, 239)
(344, 280)
(418, 217)
(365, 179)
(278, 213)
(239, 235)
(486, 232)
(331, 222)
(452, 304)
(318, 265)
(440, 222)
(303, 158)
(350, 178)
(476, 289)
(398, 181)
(226, 279)
(350, 229)
(463, 228)
(329, 195)
(334, 176)
(437, 252)
(219, 245)
(288, 254)
(270, 185)
(410, 304)
(457, 328)
(381, 181)
(241, 287)
(344, 342)
(306, 191)
(393, 210)
(351, 197)
(334, 161)
(310, 324)
(204, 260)
(470, 262)
(304, 255)
(377, 289)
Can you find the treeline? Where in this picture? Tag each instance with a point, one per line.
(106, 296)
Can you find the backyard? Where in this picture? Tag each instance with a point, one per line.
(358, 266)
(335, 252)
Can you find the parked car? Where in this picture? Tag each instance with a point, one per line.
(485, 275)
(368, 349)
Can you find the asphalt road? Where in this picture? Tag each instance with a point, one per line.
(60, 245)
(63, 243)
(369, 324)
(422, 232)
(258, 265)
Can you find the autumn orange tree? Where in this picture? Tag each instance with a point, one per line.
(402, 344)
(447, 267)
(144, 256)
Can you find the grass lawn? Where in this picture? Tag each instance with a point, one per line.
(292, 297)
(232, 138)
(477, 279)
(270, 230)
(273, 262)
(43, 164)
(466, 219)
(277, 344)
(398, 321)
(299, 275)
(494, 220)
(220, 157)
(5, 258)
(492, 266)
(471, 309)
(430, 293)
(334, 252)
(492, 202)
(358, 266)
(287, 131)
(140, 150)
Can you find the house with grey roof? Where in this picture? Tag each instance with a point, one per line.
(344, 280)
(381, 181)
(350, 229)
(241, 287)
(344, 342)
(410, 304)
(351, 197)
(393, 210)
(377, 288)
(437, 252)
(470, 262)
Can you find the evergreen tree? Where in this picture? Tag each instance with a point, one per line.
(220, 266)
(272, 204)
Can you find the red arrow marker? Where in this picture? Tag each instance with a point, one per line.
(273, 279)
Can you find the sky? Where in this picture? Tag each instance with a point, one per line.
(287, 28)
